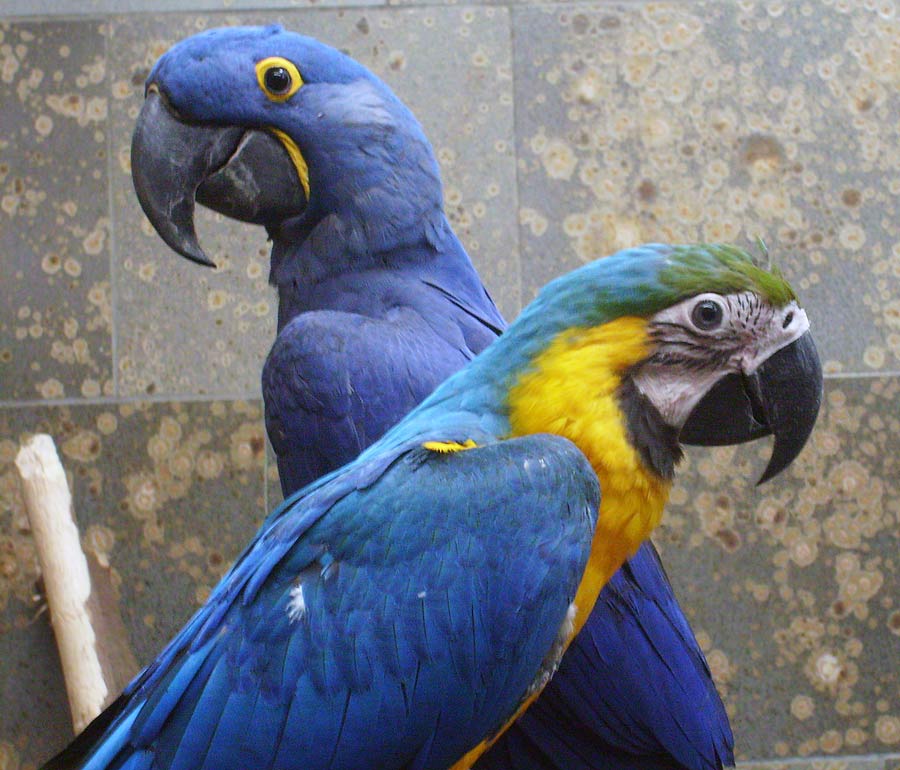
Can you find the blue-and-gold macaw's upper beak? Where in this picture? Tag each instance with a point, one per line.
(243, 173)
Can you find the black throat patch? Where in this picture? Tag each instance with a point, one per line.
(655, 440)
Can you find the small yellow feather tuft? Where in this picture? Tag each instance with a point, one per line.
(449, 446)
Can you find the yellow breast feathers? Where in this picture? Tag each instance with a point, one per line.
(571, 390)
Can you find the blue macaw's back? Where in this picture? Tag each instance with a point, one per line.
(368, 347)
(378, 303)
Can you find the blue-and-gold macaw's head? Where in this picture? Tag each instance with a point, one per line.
(265, 125)
(701, 345)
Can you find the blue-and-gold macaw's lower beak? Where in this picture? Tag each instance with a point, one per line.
(243, 173)
(780, 398)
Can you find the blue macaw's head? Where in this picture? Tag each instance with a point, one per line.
(266, 125)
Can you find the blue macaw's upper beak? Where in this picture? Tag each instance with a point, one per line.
(781, 398)
(243, 173)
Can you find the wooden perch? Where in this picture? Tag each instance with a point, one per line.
(93, 649)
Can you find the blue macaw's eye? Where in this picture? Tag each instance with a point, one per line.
(278, 80)
(278, 77)
(707, 315)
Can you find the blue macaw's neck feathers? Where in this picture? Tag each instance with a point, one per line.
(366, 144)
(360, 235)
(417, 276)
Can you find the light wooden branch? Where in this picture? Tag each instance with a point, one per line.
(93, 649)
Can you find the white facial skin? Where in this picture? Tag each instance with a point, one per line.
(704, 338)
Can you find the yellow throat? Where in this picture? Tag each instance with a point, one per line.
(570, 390)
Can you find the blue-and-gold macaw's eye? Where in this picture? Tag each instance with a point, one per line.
(707, 315)
(278, 78)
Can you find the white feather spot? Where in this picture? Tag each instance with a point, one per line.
(297, 605)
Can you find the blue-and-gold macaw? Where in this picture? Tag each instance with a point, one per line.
(400, 611)
(378, 303)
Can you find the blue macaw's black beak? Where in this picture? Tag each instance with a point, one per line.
(244, 174)
(781, 398)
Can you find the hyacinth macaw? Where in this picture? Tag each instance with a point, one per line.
(401, 610)
(378, 303)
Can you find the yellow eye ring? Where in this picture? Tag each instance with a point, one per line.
(278, 78)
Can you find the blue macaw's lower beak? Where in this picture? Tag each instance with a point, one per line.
(781, 398)
(244, 174)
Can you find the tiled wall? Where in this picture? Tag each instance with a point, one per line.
(564, 132)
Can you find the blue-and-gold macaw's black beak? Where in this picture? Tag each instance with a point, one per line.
(780, 398)
(243, 173)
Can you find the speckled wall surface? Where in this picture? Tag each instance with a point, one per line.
(564, 131)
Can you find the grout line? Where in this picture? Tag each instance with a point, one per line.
(104, 14)
(827, 760)
(156, 398)
(862, 375)
(205, 397)
(113, 221)
(520, 299)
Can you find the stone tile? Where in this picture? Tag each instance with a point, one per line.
(792, 587)
(170, 491)
(55, 317)
(36, 721)
(720, 121)
(182, 329)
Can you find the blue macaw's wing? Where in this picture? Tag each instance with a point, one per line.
(336, 380)
(633, 691)
(390, 617)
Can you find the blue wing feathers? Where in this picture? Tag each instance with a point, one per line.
(318, 681)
